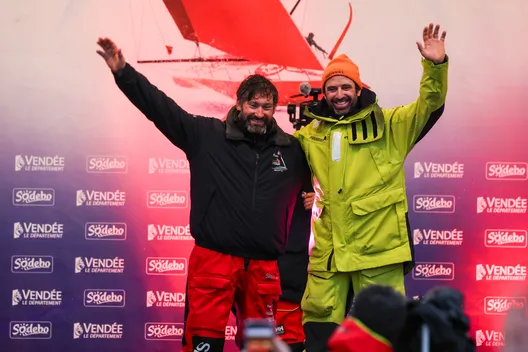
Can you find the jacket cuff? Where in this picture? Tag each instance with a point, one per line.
(124, 74)
(433, 69)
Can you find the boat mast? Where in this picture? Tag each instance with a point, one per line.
(296, 4)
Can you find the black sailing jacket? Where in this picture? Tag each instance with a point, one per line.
(243, 191)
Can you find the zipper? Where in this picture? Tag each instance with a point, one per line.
(255, 178)
(329, 265)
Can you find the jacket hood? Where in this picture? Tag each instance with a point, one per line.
(324, 112)
(353, 336)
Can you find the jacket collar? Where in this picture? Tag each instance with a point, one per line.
(275, 136)
(323, 111)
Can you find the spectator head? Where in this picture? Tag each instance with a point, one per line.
(382, 309)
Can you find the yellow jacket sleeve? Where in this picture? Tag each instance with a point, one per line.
(407, 122)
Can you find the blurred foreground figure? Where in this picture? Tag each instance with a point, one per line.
(516, 331)
(442, 310)
(374, 322)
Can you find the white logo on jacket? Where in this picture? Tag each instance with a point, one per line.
(278, 163)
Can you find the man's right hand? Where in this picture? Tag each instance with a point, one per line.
(308, 200)
(111, 54)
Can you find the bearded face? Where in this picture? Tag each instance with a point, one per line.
(256, 115)
(341, 94)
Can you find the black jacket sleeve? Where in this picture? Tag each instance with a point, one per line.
(181, 128)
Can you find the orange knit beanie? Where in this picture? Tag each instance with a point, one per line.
(342, 66)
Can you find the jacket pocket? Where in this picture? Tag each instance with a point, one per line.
(320, 297)
(379, 221)
(269, 293)
(391, 275)
(269, 289)
(209, 298)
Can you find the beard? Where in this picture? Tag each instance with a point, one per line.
(253, 125)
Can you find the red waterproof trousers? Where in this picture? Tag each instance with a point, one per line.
(288, 325)
(216, 281)
(289, 322)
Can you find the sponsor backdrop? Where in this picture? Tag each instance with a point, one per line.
(95, 202)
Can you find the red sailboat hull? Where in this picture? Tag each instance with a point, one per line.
(256, 39)
(289, 91)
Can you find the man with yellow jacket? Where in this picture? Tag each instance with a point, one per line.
(356, 151)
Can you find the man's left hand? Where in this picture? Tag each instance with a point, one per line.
(433, 48)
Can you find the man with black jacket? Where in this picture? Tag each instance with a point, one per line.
(245, 176)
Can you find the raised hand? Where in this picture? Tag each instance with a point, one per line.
(112, 55)
(433, 48)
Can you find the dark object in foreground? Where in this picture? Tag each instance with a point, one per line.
(442, 310)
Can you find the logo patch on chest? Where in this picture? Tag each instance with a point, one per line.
(317, 138)
(278, 164)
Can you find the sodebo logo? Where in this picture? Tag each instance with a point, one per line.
(434, 271)
(34, 197)
(104, 298)
(37, 264)
(106, 164)
(166, 266)
(164, 331)
(433, 204)
(501, 305)
(507, 171)
(167, 199)
(25, 330)
(506, 238)
(105, 231)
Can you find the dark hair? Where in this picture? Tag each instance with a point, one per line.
(255, 85)
(382, 309)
